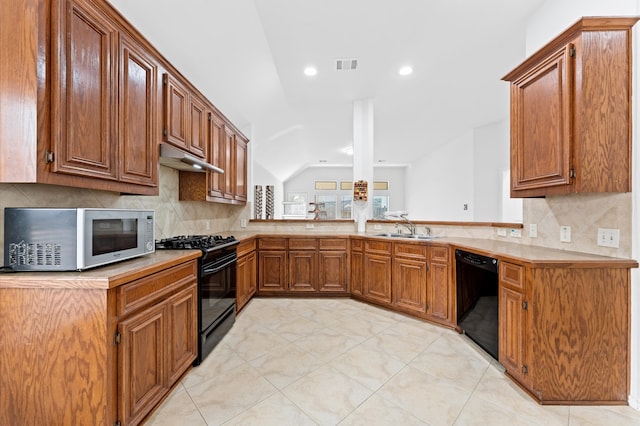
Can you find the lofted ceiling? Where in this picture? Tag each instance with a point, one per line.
(248, 57)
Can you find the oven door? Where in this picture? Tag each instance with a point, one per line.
(217, 288)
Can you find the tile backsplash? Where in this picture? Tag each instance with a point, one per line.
(173, 217)
(584, 213)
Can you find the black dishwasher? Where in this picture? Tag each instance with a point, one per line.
(477, 299)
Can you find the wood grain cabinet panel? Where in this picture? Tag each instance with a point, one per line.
(303, 267)
(377, 277)
(138, 134)
(558, 128)
(183, 319)
(272, 270)
(440, 290)
(141, 355)
(356, 282)
(410, 284)
(83, 91)
(332, 271)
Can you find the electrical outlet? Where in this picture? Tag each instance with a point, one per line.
(243, 223)
(533, 230)
(516, 233)
(609, 237)
(501, 232)
(565, 234)
(310, 226)
(465, 206)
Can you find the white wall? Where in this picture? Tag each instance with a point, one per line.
(548, 21)
(439, 184)
(396, 176)
(490, 171)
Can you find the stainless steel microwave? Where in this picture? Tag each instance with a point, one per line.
(70, 239)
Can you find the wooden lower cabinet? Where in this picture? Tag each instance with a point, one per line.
(157, 342)
(377, 271)
(409, 280)
(246, 273)
(564, 332)
(440, 290)
(96, 356)
(303, 265)
(356, 283)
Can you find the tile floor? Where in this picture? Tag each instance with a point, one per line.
(339, 361)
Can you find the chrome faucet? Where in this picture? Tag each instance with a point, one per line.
(409, 225)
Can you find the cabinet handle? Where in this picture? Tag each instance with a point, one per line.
(525, 369)
(525, 305)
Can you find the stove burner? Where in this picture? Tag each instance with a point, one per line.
(203, 242)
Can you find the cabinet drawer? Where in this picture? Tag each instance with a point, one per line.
(333, 244)
(303, 243)
(272, 243)
(357, 245)
(512, 275)
(412, 251)
(156, 287)
(246, 246)
(382, 247)
(439, 254)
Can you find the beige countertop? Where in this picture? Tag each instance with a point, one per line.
(103, 277)
(521, 253)
(111, 276)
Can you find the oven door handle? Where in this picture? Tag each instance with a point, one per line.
(218, 268)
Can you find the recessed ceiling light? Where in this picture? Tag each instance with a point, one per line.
(405, 70)
(310, 71)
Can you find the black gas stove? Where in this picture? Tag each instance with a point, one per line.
(203, 242)
(216, 285)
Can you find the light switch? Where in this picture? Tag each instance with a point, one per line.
(565, 234)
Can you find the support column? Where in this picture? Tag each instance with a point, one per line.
(363, 158)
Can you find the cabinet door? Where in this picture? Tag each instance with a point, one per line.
(183, 331)
(410, 284)
(541, 125)
(332, 275)
(439, 290)
(241, 170)
(199, 120)
(272, 272)
(217, 181)
(357, 273)
(246, 279)
(141, 357)
(229, 163)
(84, 93)
(137, 113)
(176, 113)
(377, 277)
(303, 270)
(512, 332)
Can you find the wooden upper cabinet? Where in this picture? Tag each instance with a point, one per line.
(176, 112)
(241, 169)
(571, 112)
(185, 116)
(199, 127)
(138, 111)
(217, 181)
(83, 91)
(229, 141)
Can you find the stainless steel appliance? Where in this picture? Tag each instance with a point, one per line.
(477, 299)
(216, 285)
(68, 239)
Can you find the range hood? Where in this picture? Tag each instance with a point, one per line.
(176, 158)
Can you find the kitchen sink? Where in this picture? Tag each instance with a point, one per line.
(407, 236)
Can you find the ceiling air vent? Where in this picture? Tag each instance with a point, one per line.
(346, 64)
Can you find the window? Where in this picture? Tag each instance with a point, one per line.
(380, 206)
(346, 201)
(326, 205)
